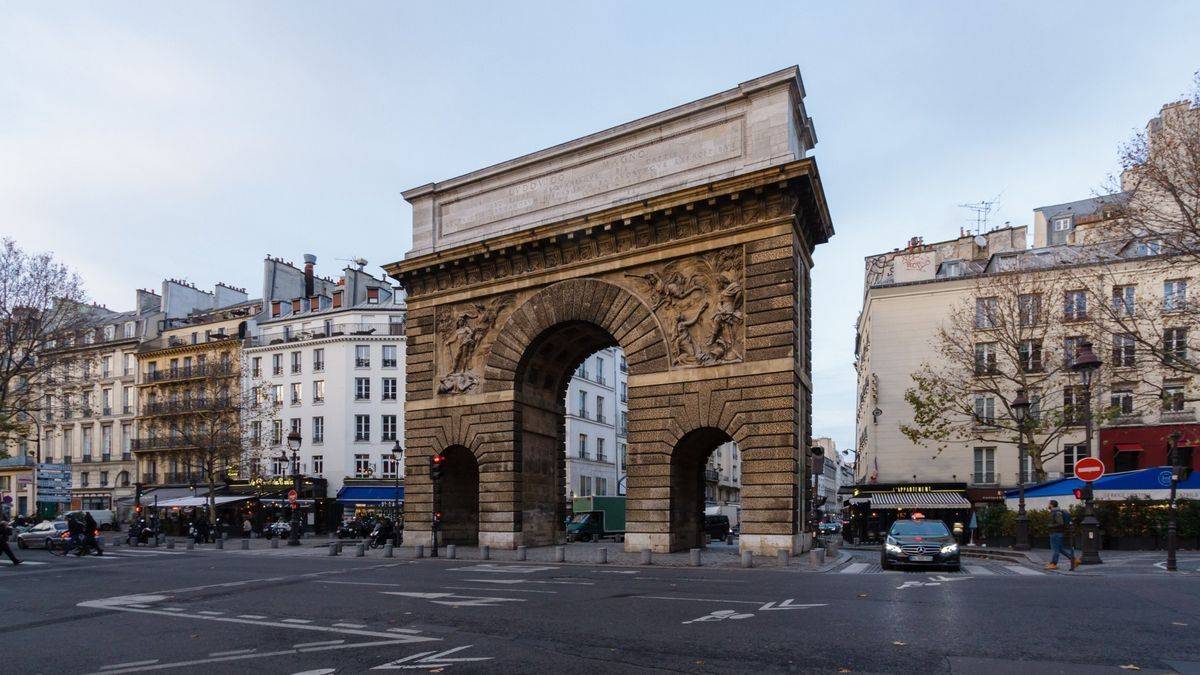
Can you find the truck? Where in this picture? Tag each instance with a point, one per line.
(596, 517)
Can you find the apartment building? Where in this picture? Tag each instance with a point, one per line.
(331, 360)
(596, 421)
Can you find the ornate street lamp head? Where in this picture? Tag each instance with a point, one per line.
(293, 441)
(1020, 407)
(1086, 362)
(397, 451)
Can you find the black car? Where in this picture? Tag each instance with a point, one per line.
(919, 542)
(717, 527)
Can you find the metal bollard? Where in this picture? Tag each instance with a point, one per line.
(245, 544)
(274, 543)
(220, 543)
(387, 550)
(560, 553)
(602, 556)
(171, 544)
(333, 549)
(486, 552)
(360, 550)
(451, 551)
(191, 544)
(695, 557)
(816, 557)
(522, 553)
(154, 541)
(747, 559)
(420, 550)
(785, 556)
(647, 555)
(339, 547)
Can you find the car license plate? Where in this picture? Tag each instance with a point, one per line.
(922, 558)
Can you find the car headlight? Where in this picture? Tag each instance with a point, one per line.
(950, 548)
(891, 546)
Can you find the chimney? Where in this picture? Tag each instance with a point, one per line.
(309, 261)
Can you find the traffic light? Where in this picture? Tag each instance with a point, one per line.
(437, 520)
(436, 463)
(1083, 494)
(1181, 461)
(818, 459)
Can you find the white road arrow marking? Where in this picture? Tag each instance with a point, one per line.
(502, 569)
(455, 600)
(427, 660)
(786, 604)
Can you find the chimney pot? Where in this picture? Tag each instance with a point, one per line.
(309, 261)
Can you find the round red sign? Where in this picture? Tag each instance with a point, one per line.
(292, 493)
(1089, 469)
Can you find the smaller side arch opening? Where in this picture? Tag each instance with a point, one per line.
(691, 474)
(460, 497)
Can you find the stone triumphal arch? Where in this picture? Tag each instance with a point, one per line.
(685, 238)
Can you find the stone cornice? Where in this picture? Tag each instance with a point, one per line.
(296, 344)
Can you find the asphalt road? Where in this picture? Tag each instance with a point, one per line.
(265, 611)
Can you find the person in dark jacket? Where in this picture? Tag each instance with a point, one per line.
(5, 534)
(90, 528)
(1059, 525)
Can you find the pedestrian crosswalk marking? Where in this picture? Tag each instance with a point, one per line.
(854, 568)
(24, 562)
(978, 569)
(1024, 571)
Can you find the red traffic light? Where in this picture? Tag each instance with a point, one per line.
(1078, 493)
(438, 459)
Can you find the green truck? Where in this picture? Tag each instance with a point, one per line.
(596, 517)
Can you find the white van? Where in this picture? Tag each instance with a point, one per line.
(105, 519)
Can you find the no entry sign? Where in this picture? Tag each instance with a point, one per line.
(1089, 469)
(292, 493)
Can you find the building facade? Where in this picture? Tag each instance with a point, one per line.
(597, 420)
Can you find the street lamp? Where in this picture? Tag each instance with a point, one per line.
(1177, 474)
(1086, 363)
(397, 458)
(1020, 410)
(293, 444)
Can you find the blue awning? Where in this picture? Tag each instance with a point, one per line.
(1152, 482)
(368, 494)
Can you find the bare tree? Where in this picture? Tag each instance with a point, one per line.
(41, 301)
(1017, 333)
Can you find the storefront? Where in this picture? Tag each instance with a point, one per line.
(1131, 448)
(874, 507)
(370, 500)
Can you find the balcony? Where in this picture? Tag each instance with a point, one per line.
(362, 363)
(106, 457)
(711, 475)
(277, 370)
(186, 406)
(295, 369)
(281, 336)
(1174, 416)
(601, 418)
(189, 372)
(125, 410)
(318, 366)
(126, 456)
(181, 478)
(87, 459)
(176, 443)
(107, 411)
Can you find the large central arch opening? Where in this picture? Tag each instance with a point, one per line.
(542, 380)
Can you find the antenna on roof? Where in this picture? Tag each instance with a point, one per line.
(982, 210)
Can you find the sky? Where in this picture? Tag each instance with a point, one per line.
(140, 141)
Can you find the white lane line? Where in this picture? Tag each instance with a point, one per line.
(205, 612)
(297, 621)
(350, 625)
(507, 590)
(667, 597)
(129, 664)
(151, 665)
(358, 583)
(406, 631)
(23, 562)
(234, 652)
(854, 568)
(326, 643)
(978, 569)
(1023, 571)
(529, 581)
(253, 616)
(171, 609)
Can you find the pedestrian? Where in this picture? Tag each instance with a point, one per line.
(90, 531)
(5, 533)
(246, 528)
(1060, 522)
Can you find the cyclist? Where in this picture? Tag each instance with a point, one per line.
(90, 529)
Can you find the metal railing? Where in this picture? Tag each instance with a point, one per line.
(347, 328)
(188, 372)
(190, 405)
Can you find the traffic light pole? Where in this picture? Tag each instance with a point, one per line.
(1091, 525)
(435, 521)
(1173, 513)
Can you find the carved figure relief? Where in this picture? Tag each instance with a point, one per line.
(461, 333)
(700, 300)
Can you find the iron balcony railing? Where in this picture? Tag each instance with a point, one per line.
(189, 372)
(348, 328)
(185, 406)
(176, 442)
(711, 475)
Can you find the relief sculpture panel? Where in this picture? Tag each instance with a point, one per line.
(464, 333)
(700, 302)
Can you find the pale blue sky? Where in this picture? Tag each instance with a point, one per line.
(145, 140)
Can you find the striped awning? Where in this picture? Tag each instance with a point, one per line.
(919, 500)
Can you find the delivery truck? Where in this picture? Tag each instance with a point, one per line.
(594, 518)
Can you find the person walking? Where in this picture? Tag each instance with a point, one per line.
(247, 528)
(5, 534)
(90, 528)
(1060, 522)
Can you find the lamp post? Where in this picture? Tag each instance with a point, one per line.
(397, 458)
(293, 444)
(1172, 523)
(1020, 410)
(1086, 363)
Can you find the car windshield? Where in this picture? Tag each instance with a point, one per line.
(580, 518)
(925, 528)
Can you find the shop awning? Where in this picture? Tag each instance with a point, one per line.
(1128, 447)
(368, 494)
(919, 500)
(199, 501)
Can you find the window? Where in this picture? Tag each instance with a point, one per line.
(1123, 298)
(952, 268)
(1071, 349)
(318, 391)
(295, 362)
(362, 356)
(87, 444)
(277, 394)
(600, 409)
(1173, 398)
(388, 428)
(389, 389)
(985, 408)
(1124, 351)
(83, 478)
(318, 359)
(106, 401)
(1075, 305)
(624, 392)
(297, 396)
(601, 486)
(277, 364)
(372, 296)
(1175, 295)
(276, 431)
(1122, 401)
(255, 433)
(1074, 405)
(362, 466)
(623, 425)
(296, 424)
(1071, 454)
(1062, 224)
(1149, 247)
(318, 430)
(1025, 472)
(583, 451)
(388, 464)
(985, 358)
(986, 312)
(581, 371)
(126, 441)
(129, 362)
(624, 366)
(985, 465)
(583, 404)
(600, 370)
(129, 328)
(256, 366)
(622, 450)
(1029, 309)
(1030, 352)
(1175, 346)
(362, 388)
(103, 479)
(389, 356)
(106, 441)
(362, 427)
(106, 367)
(600, 457)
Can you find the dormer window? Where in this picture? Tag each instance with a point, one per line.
(337, 299)
(373, 296)
(276, 308)
(1061, 224)
(952, 268)
(296, 306)
(314, 303)
(1149, 247)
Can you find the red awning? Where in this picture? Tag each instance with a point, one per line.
(1129, 447)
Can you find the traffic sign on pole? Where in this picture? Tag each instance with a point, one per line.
(1089, 469)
